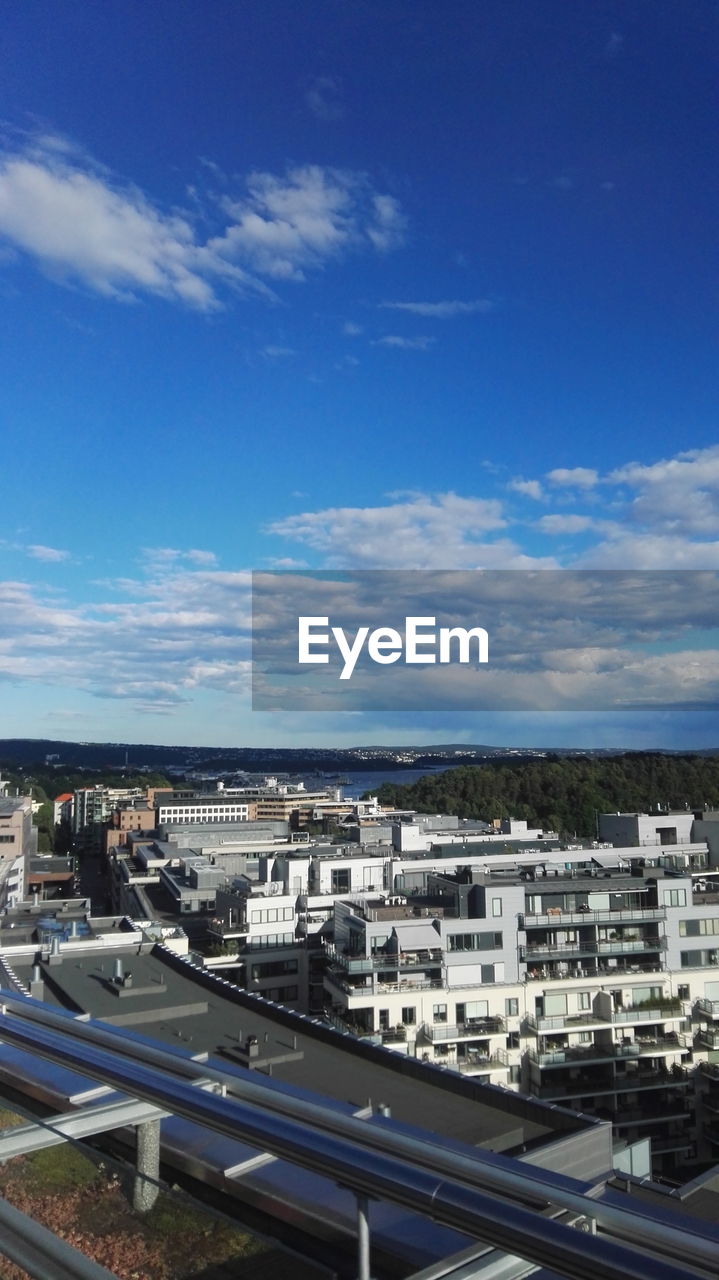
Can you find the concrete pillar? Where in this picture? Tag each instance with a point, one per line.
(145, 1189)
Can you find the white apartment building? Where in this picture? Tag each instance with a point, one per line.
(192, 811)
(586, 977)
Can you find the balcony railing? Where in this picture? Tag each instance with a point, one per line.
(387, 1035)
(663, 1011)
(645, 1080)
(558, 918)
(708, 1008)
(380, 988)
(571, 1055)
(564, 1021)
(385, 963)
(671, 1012)
(708, 1038)
(608, 947)
(464, 1030)
(479, 1063)
(548, 973)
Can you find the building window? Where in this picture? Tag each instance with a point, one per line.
(683, 991)
(584, 999)
(409, 1016)
(439, 1013)
(697, 959)
(496, 906)
(513, 1040)
(511, 1007)
(474, 941)
(698, 928)
(675, 897)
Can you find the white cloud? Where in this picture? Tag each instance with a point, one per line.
(51, 555)
(80, 224)
(387, 228)
(530, 488)
(152, 641)
(352, 330)
(642, 550)
(404, 344)
(579, 477)
(77, 226)
(285, 226)
(675, 494)
(423, 531)
(442, 310)
(565, 524)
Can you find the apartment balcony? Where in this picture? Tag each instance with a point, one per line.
(543, 951)
(573, 1055)
(537, 1025)
(440, 1032)
(609, 1086)
(662, 1011)
(367, 991)
(707, 1038)
(711, 1133)
(549, 972)
(708, 1009)
(478, 1063)
(656, 1014)
(404, 961)
(674, 1109)
(225, 931)
(556, 918)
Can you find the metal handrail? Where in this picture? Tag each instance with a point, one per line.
(415, 1172)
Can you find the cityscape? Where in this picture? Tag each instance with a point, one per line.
(514, 987)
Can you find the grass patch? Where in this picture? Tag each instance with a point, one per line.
(198, 1234)
(10, 1120)
(60, 1168)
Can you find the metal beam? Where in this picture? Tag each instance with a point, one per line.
(76, 1125)
(41, 1253)
(520, 1184)
(505, 1225)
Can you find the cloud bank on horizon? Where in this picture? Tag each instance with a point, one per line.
(182, 624)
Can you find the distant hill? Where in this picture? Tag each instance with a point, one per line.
(24, 752)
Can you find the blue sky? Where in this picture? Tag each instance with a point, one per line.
(377, 285)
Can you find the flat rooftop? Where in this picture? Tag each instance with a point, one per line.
(176, 1003)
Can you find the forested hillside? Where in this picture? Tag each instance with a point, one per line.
(564, 794)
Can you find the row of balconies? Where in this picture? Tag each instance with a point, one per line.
(671, 1012)
(551, 973)
(557, 917)
(644, 1046)
(648, 1077)
(610, 947)
(470, 1030)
